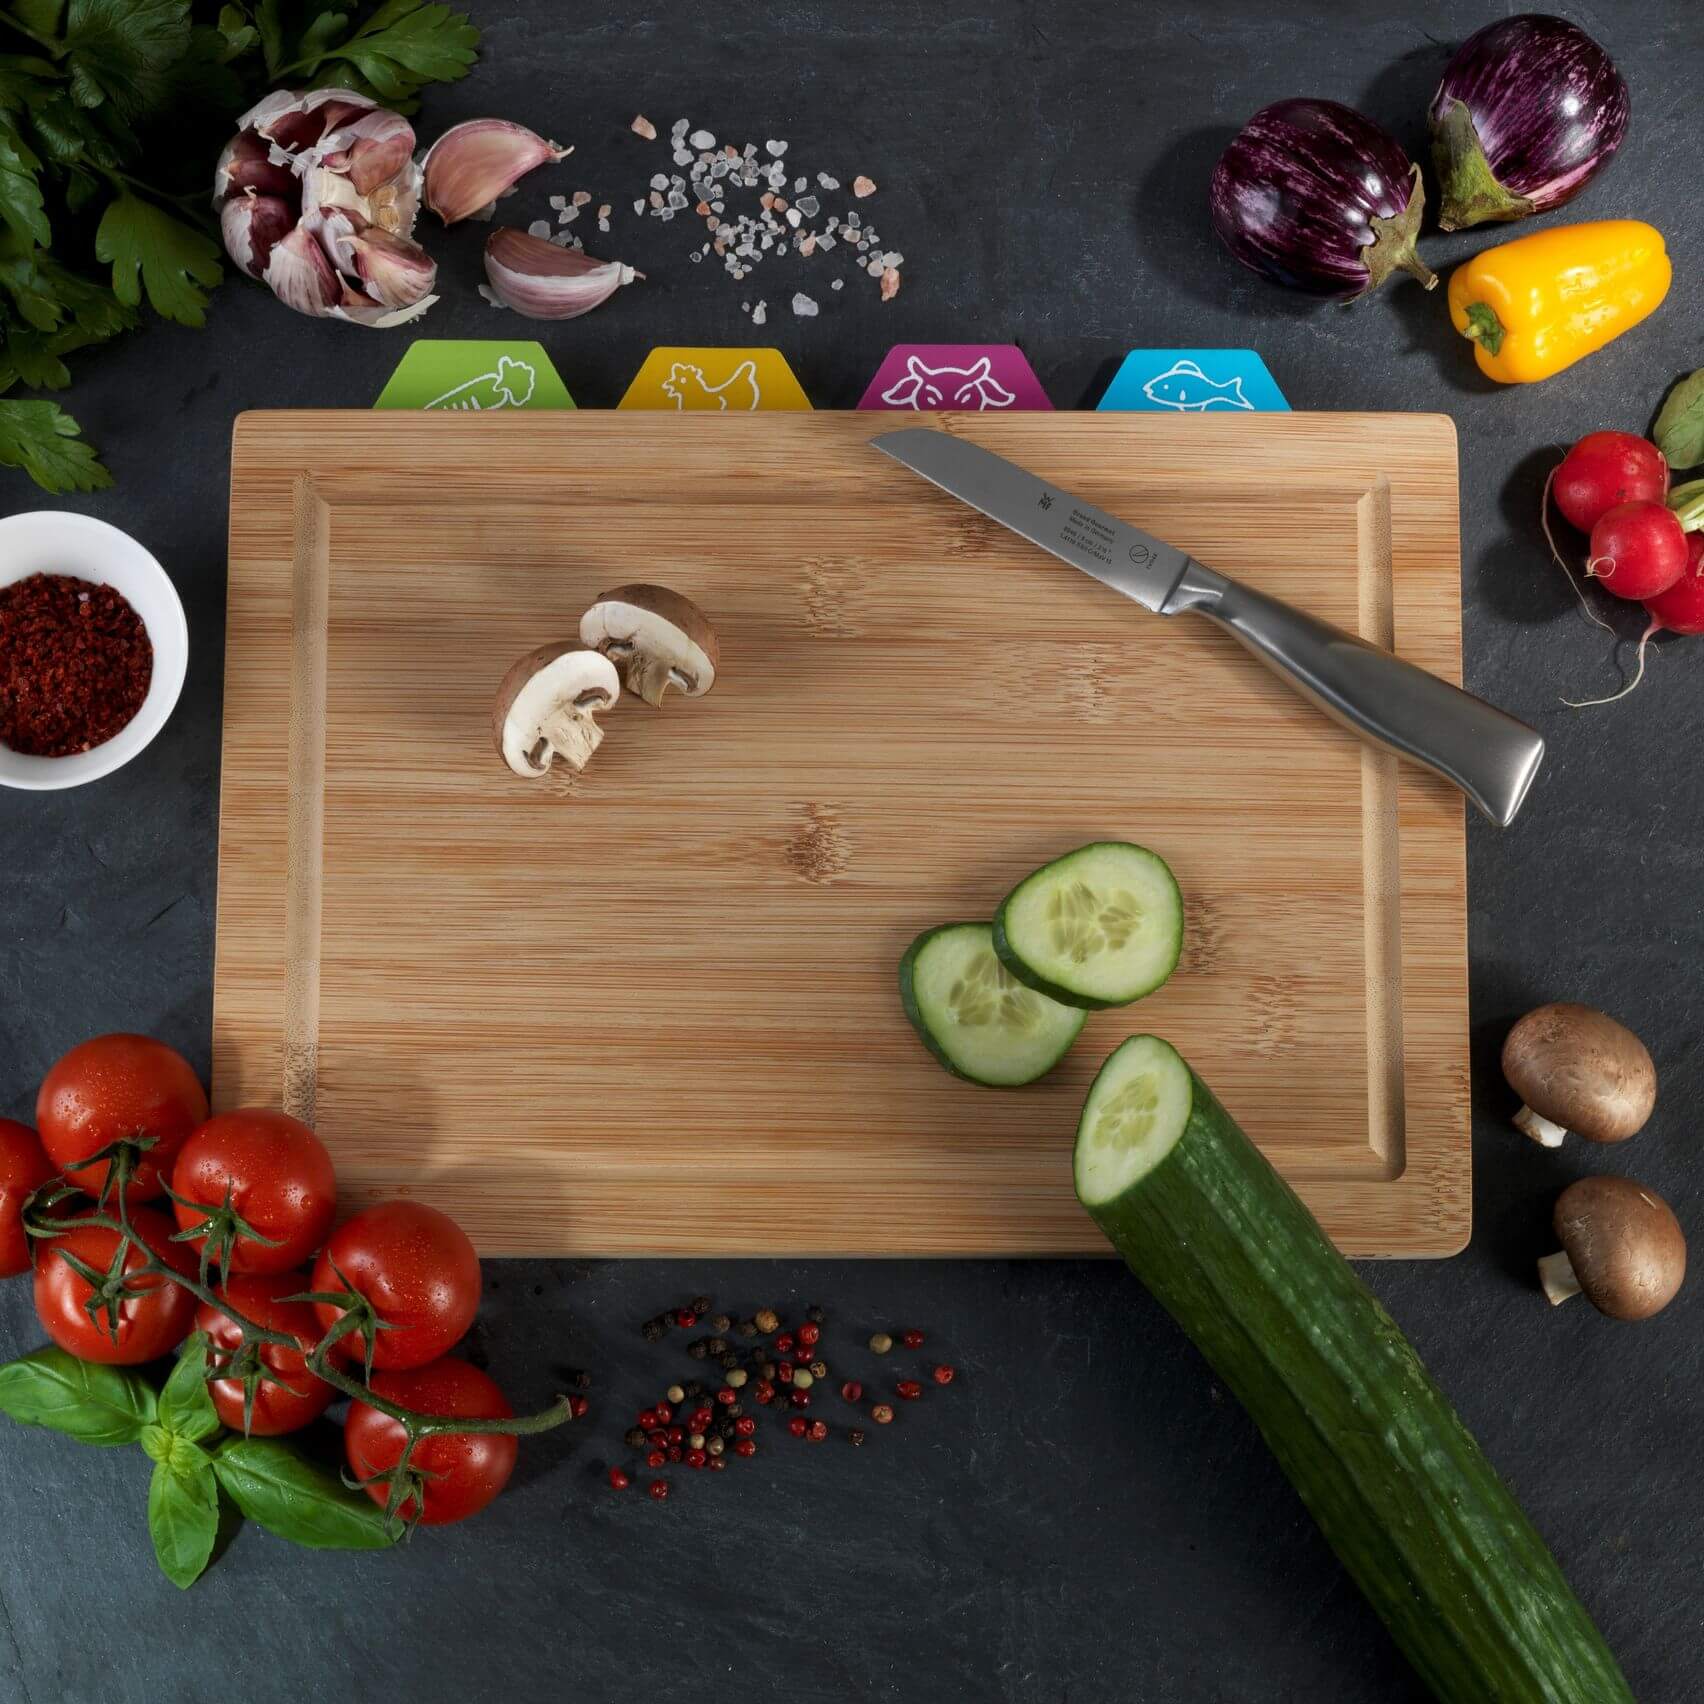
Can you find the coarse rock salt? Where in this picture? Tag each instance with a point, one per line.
(804, 307)
(642, 126)
(838, 284)
(862, 186)
(559, 201)
(775, 149)
(683, 157)
(824, 181)
(604, 210)
(890, 283)
(539, 228)
(639, 205)
(581, 197)
(761, 312)
(702, 139)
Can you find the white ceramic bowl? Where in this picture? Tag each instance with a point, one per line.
(51, 541)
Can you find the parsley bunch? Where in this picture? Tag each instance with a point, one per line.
(112, 115)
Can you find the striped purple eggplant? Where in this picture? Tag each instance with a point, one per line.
(1313, 195)
(1530, 109)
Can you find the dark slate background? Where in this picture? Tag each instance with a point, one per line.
(1084, 1516)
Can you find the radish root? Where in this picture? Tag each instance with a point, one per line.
(1638, 674)
(1556, 555)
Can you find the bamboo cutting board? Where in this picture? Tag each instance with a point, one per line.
(661, 1016)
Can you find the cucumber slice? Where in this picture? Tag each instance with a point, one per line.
(980, 1023)
(1101, 926)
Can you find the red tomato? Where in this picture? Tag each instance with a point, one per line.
(155, 1315)
(470, 1468)
(419, 1271)
(260, 1297)
(113, 1088)
(24, 1168)
(280, 1181)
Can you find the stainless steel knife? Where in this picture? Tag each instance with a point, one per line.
(1485, 752)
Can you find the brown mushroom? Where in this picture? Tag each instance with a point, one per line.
(1621, 1246)
(1576, 1069)
(657, 638)
(547, 708)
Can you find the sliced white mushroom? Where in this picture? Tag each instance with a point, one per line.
(657, 638)
(547, 708)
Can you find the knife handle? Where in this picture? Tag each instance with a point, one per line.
(1485, 752)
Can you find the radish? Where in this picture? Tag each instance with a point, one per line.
(1681, 608)
(1606, 469)
(1638, 550)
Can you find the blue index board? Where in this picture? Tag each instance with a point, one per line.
(1193, 381)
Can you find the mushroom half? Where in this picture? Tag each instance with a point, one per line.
(547, 708)
(1576, 1069)
(657, 638)
(1622, 1248)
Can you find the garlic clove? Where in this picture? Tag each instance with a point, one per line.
(370, 151)
(394, 271)
(536, 278)
(294, 120)
(300, 276)
(475, 162)
(252, 225)
(246, 167)
(393, 206)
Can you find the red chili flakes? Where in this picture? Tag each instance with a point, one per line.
(75, 663)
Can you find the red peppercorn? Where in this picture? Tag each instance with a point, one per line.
(718, 1464)
(911, 1339)
(784, 1343)
(763, 1391)
(818, 1431)
(727, 1395)
(577, 1406)
(798, 1425)
(663, 1413)
(882, 1414)
(655, 1460)
(943, 1374)
(685, 1318)
(745, 1446)
(745, 1426)
(799, 1398)
(808, 1334)
(852, 1390)
(618, 1481)
(677, 1434)
(785, 1372)
(696, 1458)
(648, 1419)
(910, 1389)
(659, 1490)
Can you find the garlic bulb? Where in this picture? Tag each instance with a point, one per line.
(536, 278)
(474, 163)
(317, 196)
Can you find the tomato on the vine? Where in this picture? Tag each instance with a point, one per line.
(154, 1314)
(24, 1168)
(296, 1396)
(119, 1088)
(277, 1176)
(416, 1269)
(462, 1471)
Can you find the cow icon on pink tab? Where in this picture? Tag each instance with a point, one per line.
(968, 376)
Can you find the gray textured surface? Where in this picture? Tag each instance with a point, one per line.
(1083, 1516)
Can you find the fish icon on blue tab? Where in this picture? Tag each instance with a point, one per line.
(1193, 381)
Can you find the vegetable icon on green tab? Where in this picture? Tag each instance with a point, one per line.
(474, 377)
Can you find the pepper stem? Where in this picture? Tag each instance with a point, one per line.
(1484, 327)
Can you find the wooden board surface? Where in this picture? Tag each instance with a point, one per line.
(661, 1016)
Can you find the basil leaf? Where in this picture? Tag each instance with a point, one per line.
(93, 1404)
(1680, 426)
(183, 1513)
(291, 1497)
(186, 1404)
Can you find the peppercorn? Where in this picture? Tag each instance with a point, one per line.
(663, 1413)
(722, 1325)
(659, 1490)
(715, 1347)
(809, 1333)
(730, 1361)
(696, 1458)
(747, 1328)
(815, 1315)
(800, 1398)
(714, 1447)
(852, 1391)
(910, 1389)
(735, 1410)
(765, 1369)
(746, 1447)
(912, 1339)
(655, 1459)
(685, 1318)
(745, 1426)
(577, 1406)
(798, 1425)
(654, 1330)
(618, 1481)
(803, 1379)
(695, 1389)
(676, 1393)
(784, 1343)
(675, 1452)
(942, 1375)
(717, 1465)
(818, 1431)
(578, 1380)
(695, 1440)
(737, 1377)
(856, 1436)
(700, 1304)
(880, 1343)
(698, 1348)
(634, 1437)
(726, 1395)
(724, 1428)
(763, 1390)
(785, 1372)
(882, 1414)
(819, 1369)
(657, 1438)
(766, 1320)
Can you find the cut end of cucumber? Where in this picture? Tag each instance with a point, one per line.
(1101, 926)
(1137, 1109)
(974, 1016)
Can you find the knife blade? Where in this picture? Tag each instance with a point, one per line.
(1488, 754)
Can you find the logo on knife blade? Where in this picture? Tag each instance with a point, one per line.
(1045, 501)
(1141, 555)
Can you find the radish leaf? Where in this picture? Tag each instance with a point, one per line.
(1680, 426)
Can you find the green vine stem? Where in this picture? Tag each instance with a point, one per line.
(319, 1362)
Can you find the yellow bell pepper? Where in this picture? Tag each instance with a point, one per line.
(1539, 304)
